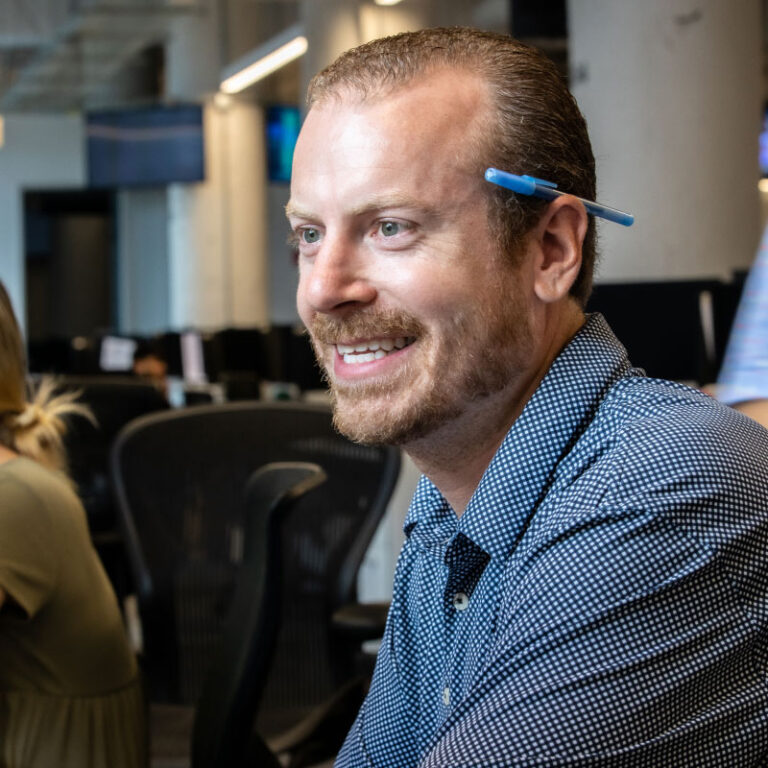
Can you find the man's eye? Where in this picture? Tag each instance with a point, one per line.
(390, 228)
(310, 235)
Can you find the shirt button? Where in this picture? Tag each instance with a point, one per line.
(460, 601)
(446, 695)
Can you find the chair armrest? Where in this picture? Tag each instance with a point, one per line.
(360, 621)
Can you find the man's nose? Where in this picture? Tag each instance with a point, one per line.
(337, 279)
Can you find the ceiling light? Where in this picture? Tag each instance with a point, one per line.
(386, 2)
(264, 60)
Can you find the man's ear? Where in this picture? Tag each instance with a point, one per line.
(559, 236)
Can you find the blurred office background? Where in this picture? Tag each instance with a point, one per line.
(141, 196)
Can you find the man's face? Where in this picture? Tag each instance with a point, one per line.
(412, 312)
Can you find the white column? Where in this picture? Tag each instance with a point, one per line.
(216, 229)
(671, 92)
(142, 263)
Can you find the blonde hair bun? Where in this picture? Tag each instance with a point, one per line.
(38, 431)
(29, 417)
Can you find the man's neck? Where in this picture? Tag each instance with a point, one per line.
(455, 456)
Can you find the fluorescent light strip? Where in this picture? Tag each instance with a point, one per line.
(386, 2)
(263, 67)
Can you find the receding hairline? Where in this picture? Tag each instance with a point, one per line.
(371, 86)
(481, 128)
(393, 60)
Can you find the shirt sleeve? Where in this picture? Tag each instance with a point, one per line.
(626, 646)
(28, 559)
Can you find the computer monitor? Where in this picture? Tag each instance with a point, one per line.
(145, 147)
(671, 329)
(283, 124)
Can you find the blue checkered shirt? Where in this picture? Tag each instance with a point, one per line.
(603, 600)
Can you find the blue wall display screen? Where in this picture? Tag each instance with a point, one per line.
(283, 123)
(764, 152)
(145, 147)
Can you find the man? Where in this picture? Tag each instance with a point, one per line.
(583, 580)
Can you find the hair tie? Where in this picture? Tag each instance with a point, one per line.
(32, 414)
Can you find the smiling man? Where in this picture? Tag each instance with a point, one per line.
(584, 579)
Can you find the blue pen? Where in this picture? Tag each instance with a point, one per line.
(529, 185)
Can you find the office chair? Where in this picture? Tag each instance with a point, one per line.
(223, 733)
(114, 401)
(178, 478)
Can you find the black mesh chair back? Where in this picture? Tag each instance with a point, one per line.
(114, 400)
(223, 733)
(179, 479)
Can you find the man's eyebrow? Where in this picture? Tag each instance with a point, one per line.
(383, 202)
(294, 210)
(371, 205)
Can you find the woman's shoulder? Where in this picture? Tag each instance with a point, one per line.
(27, 475)
(31, 494)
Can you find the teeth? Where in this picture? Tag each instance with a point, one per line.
(368, 351)
(368, 357)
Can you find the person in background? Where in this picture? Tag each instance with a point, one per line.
(150, 364)
(70, 690)
(743, 379)
(584, 578)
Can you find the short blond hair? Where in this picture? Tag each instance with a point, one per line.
(31, 424)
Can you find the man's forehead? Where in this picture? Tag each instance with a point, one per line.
(456, 85)
(418, 142)
(440, 109)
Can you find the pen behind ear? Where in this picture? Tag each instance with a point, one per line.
(547, 190)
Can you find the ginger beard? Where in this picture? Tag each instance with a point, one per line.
(476, 353)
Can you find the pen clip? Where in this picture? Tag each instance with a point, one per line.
(540, 182)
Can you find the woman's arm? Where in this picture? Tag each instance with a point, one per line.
(755, 409)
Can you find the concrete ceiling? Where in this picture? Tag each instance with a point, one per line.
(66, 54)
(61, 55)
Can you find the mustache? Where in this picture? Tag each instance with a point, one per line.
(394, 323)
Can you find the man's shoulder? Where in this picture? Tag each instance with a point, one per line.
(657, 442)
(656, 434)
(645, 412)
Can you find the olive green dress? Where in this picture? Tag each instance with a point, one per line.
(70, 695)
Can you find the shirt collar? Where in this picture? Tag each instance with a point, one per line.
(524, 466)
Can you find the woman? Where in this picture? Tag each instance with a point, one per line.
(70, 694)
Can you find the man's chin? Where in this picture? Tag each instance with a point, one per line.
(361, 420)
(380, 422)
